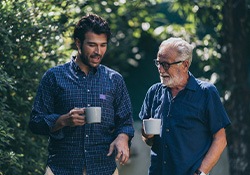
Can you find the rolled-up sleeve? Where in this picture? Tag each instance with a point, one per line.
(42, 118)
(123, 111)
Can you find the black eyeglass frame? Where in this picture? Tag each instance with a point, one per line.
(166, 65)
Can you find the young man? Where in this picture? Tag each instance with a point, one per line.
(63, 94)
(193, 118)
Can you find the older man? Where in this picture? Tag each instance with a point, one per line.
(193, 118)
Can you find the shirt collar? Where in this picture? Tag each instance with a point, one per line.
(73, 64)
(192, 83)
(76, 68)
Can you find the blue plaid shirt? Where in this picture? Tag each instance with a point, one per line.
(72, 148)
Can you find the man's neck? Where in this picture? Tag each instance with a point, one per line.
(177, 89)
(82, 66)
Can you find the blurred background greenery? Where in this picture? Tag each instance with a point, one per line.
(36, 35)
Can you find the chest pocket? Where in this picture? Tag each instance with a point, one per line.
(187, 115)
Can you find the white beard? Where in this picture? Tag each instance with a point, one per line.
(172, 82)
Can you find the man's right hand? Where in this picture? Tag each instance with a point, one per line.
(75, 117)
(147, 138)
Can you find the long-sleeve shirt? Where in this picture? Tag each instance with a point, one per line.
(65, 87)
(189, 122)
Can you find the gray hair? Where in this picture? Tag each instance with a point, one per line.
(183, 48)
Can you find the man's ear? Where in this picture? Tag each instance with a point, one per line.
(186, 64)
(78, 43)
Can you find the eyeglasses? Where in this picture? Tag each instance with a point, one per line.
(165, 65)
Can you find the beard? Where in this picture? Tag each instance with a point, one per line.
(86, 60)
(167, 83)
(171, 82)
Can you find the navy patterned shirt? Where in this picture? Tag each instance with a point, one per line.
(189, 122)
(65, 87)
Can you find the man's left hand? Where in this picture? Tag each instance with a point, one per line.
(121, 145)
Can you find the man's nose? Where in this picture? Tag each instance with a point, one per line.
(97, 49)
(161, 69)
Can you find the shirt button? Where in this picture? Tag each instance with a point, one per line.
(166, 146)
(88, 90)
(164, 162)
(88, 105)
(87, 135)
(167, 130)
(85, 151)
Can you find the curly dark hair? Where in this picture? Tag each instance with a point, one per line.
(93, 23)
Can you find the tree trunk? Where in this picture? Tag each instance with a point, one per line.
(236, 81)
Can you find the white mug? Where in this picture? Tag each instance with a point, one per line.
(93, 114)
(152, 126)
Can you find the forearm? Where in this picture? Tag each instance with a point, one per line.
(41, 124)
(218, 145)
(127, 132)
(124, 137)
(125, 126)
(59, 124)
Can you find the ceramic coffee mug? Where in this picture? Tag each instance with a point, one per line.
(93, 114)
(152, 126)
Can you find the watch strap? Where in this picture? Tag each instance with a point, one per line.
(198, 172)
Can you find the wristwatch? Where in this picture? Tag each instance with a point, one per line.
(198, 172)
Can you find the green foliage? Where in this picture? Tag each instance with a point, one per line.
(204, 23)
(7, 155)
(28, 45)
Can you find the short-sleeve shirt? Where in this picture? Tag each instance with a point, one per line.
(189, 122)
(65, 87)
